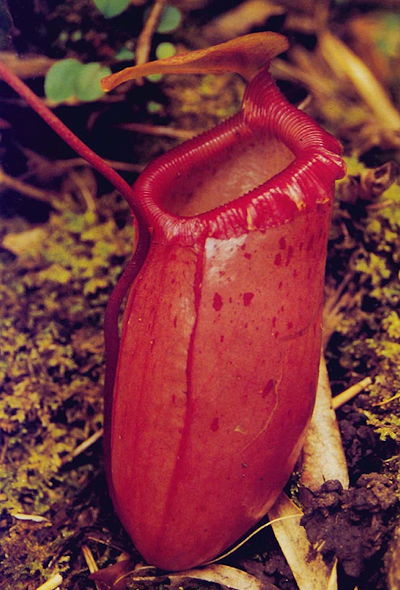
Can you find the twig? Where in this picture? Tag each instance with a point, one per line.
(144, 40)
(287, 71)
(379, 206)
(75, 162)
(26, 189)
(84, 446)
(90, 560)
(71, 139)
(126, 166)
(394, 458)
(4, 449)
(52, 583)
(30, 517)
(30, 66)
(387, 401)
(348, 394)
(335, 304)
(85, 191)
(159, 130)
(107, 543)
(241, 19)
(335, 299)
(333, 314)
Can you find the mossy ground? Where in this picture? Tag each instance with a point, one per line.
(59, 262)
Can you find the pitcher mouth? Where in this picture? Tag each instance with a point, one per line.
(259, 169)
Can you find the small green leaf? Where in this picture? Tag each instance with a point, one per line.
(111, 8)
(170, 20)
(59, 84)
(76, 36)
(87, 82)
(70, 79)
(124, 54)
(154, 77)
(154, 107)
(165, 50)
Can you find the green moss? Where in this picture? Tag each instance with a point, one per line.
(364, 251)
(51, 373)
(198, 102)
(388, 426)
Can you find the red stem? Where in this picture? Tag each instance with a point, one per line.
(111, 314)
(68, 136)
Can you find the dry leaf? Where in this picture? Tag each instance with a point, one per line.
(25, 244)
(308, 568)
(347, 64)
(108, 576)
(227, 576)
(323, 457)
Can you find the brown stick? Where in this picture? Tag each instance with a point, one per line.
(144, 40)
(30, 66)
(159, 130)
(26, 189)
(348, 394)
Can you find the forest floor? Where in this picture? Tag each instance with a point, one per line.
(65, 235)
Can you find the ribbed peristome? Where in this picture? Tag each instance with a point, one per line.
(306, 162)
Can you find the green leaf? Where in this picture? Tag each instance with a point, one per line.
(165, 50)
(154, 77)
(70, 79)
(154, 107)
(111, 8)
(87, 82)
(125, 54)
(59, 84)
(170, 20)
